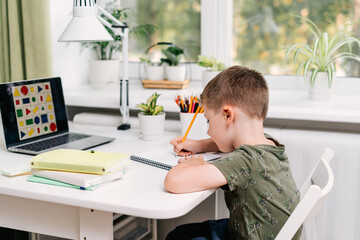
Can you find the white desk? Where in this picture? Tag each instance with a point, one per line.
(77, 214)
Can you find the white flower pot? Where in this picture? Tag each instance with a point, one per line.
(207, 76)
(320, 91)
(155, 73)
(152, 126)
(104, 73)
(175, 73)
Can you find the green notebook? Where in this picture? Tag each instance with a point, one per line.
(71, 160)
(57, 183)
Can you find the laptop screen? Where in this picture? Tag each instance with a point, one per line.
(32, 109)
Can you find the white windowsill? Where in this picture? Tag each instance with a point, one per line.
(288, 100)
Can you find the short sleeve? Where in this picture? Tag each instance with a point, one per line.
(237, 169)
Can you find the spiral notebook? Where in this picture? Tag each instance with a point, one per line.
(166, 159)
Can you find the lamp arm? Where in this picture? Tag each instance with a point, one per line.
(124, 95)
(124, 82)
(112, 18)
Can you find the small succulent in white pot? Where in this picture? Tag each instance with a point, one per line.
(152, 119)
(319, 59)
(213, 67)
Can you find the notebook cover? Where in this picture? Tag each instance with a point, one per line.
(80, 179)
(56, 183)
(71, 160)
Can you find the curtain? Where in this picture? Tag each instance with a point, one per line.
(25, 40)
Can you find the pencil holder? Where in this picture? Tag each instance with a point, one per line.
(199, 127)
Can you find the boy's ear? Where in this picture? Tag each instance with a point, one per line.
(228, 113)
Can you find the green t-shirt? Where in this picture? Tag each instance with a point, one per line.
(260, 192)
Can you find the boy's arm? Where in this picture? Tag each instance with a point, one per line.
(193, 174)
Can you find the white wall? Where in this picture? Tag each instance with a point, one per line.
(71, 65)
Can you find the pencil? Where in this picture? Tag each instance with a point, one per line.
(182, 103)
(190, 125)
(190, 105)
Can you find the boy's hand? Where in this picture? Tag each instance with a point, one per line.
(186, 148)
(193, 160)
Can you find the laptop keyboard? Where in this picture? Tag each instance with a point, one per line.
(53, 142)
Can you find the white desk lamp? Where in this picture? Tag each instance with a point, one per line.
(87, 26)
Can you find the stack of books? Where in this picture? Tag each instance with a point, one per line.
(77, 169)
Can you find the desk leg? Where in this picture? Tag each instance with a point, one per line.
(154, 229)
(95, 225)
(35, 236)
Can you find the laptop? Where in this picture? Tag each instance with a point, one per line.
(34, 118)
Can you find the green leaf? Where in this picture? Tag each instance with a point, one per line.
(172, 60)
(316, 45)
(306, 67)
(142, 107)
(313, 76)
(290, 49)
(343, 55)
(164, 60)
(330, 76)
(311, 25)
(175, 50)
(150, 99)
(150, 107)
(302, 50)
(153, 103)
(221, 66)
(211, 62)
(158, 109)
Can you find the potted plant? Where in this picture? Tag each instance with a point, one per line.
(154, 71)
(173, 71)
(152, 119)
(106, 68)
(318, 62)
(213, 67)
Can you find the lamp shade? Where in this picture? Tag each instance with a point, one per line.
(84, 26)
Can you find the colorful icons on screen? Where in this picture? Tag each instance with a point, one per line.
(34, 109)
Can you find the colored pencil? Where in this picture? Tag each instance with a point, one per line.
(187, 104)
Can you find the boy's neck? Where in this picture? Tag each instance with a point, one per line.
(249, 131)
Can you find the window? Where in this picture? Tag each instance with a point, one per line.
(178, 22)
(263, 27)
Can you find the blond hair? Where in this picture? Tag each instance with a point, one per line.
(241, 87)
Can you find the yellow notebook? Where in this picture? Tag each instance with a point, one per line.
(70, 160)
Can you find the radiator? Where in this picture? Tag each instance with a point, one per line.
(340, 216)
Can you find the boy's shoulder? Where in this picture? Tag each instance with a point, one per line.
(250, 155)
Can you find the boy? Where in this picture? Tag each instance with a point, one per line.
(260, 192)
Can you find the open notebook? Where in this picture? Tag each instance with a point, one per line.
(166, 159)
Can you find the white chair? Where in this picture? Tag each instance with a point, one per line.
(314, 192)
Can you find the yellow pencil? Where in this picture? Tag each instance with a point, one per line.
(191, 123)
(190, 105)
(182, 104)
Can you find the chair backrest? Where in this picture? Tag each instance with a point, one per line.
(314, 192)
